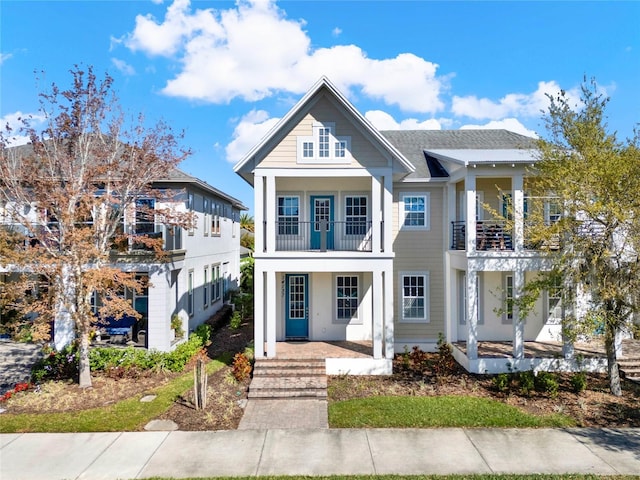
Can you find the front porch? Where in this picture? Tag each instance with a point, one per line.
(497, 357)
(341, 357)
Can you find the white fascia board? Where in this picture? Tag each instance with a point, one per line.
(319, 172)
(485, 156)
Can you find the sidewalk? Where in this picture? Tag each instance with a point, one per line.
(318, 452)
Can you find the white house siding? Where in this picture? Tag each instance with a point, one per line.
(420, 251)
(284, 154)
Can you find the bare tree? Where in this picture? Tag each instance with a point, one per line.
(65, 196)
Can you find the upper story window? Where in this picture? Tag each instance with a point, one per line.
(355, 215)
(414, 211)
(288, 215)
(323, 146)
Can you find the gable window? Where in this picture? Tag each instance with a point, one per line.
(415, 302)
(414, 211)
(346, 297)
(355, 215)
(288, 215)
(323, 145)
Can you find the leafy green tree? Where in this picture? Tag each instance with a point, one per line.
(593, 246)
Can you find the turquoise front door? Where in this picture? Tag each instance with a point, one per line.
(297, 305)
(322, 222)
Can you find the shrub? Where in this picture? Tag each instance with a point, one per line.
(56, 365)
(236, 320)
(526, 382)
(445, 364)
(241, 367)
(547, 383)
(579, 382)
(502, 382)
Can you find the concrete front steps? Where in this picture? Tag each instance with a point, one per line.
(630, 368)
(289, 379)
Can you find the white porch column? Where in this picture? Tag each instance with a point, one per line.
(472, 312)
(258, 195)
(378, 312)
(389, 340)
(471, 201)
(271, 298)
(270, 214)
(376, 215)
(568, 309)
(258, 311)
(518, 214)
(518, 323)
(387, 213)
(451, 214)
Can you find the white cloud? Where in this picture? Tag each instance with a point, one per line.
(336, 32)
(254, 50)
(4, 57)
(16, 136)
(123, 67)
(250, 130)
(512, 104)
(511, 124)
(383, 121)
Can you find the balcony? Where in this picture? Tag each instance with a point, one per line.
(322, 236)
(492, 235)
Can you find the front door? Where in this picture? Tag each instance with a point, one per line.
(297, 305)
(322, 222)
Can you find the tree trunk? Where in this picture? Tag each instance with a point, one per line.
(83, 361)
(612, 361)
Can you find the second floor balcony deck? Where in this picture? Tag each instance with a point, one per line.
(322, 236)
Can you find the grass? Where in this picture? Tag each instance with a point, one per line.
(126, 415)
(435, 412)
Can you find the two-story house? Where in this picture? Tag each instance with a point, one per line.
(391, 237)
(200, 266)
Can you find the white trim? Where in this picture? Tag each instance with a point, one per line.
(427, 304)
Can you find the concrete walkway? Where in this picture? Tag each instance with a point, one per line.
(318, 452)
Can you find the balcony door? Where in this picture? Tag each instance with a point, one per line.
(322, 222)
(297, 305)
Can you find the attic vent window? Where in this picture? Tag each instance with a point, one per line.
(324, 146)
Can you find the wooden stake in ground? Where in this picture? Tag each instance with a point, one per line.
(200, 385)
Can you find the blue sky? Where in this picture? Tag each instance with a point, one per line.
(225, 72)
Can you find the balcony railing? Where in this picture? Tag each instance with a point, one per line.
(351, 236)
(490, 235)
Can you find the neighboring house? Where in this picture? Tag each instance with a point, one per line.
(390, 237)
(202, 264)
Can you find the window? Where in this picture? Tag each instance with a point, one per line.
(414, 288)
(323, 146)
(144, 218)
(190, 307)
(215, 220)
(207, 223)
(205, 287)
(355, 215)
(288, 215)
(414, 211)
(346, 297)
(190, 209)
(216, 283)
(507, 316)
(552, 210)
(554, 301)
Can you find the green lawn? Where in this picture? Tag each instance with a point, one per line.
(126, 415)
(431, 412)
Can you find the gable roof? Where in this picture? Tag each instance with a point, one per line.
(258, 152)
(427, 148)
